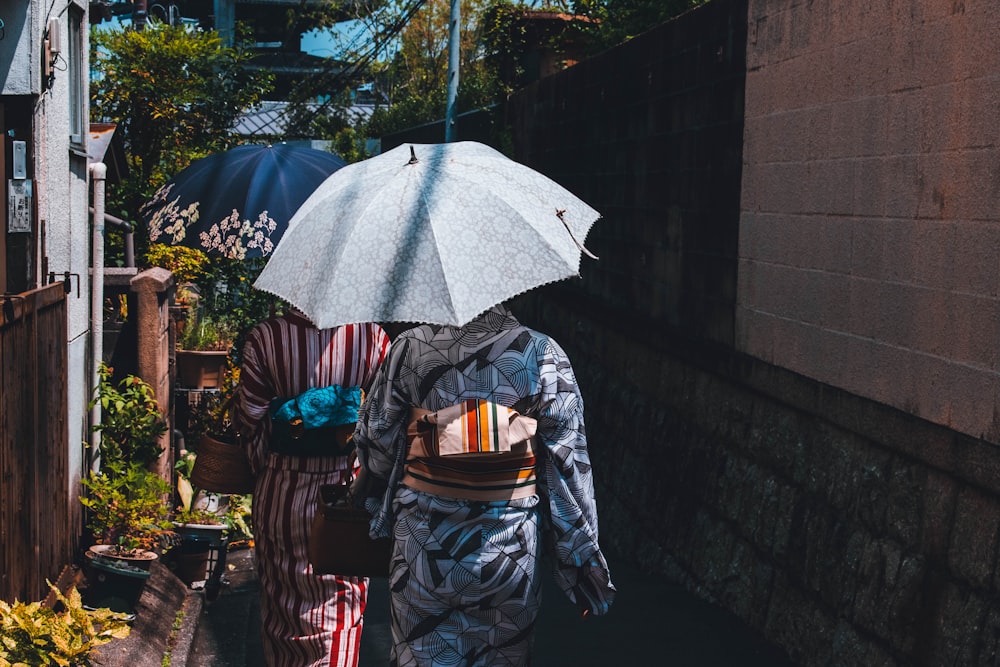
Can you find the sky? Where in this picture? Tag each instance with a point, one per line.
(324, 43)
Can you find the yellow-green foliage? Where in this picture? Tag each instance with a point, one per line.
(187, 264)
(32, 634)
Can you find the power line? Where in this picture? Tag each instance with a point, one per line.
(336, 80)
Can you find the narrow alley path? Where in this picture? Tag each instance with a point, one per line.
(651, 623)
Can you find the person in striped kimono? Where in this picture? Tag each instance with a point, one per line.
(306, 619)
(468, 529)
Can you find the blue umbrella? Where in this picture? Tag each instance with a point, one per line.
(237, 203)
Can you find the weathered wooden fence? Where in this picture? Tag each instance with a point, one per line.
(39, 529)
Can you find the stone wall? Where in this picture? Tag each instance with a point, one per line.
(844, 530)
(848, 530)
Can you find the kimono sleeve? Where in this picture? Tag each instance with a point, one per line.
(380, 438)
(566, 488)
(252, 401)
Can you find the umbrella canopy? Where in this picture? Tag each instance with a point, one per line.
(433, 233)
(237, 203)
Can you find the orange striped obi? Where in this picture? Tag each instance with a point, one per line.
(476, 450)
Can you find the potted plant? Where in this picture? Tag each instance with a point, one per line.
(127, 503)
(199, 533)
(202, 351)
(198, 525)
(126, 500)
(129, 518)
(205, 509)
(36, 634)
(128, 511)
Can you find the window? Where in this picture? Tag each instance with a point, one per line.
(77, 81)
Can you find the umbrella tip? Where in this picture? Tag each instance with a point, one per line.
(413, 157)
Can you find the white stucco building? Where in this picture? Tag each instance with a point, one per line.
(45, 176)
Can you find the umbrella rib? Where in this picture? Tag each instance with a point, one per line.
(437, 247)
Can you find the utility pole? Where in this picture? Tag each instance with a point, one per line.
(139, 14)
(454, 46)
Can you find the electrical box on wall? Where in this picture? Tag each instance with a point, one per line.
(52, 47)
(20, 151)
(55, 44)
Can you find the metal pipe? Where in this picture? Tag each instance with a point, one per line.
(98, 173)
(454, 53)
(129, 229)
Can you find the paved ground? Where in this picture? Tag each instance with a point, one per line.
(651, 623)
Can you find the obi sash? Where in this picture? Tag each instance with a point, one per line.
(476, 450)
(317, 422)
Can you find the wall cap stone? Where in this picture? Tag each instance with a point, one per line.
(156, 279)
(118, 276)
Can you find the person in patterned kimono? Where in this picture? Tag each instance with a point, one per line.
(467, 537)
(306, 619)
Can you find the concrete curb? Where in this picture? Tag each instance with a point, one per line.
(166, 618)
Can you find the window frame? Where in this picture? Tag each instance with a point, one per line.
(77, 77)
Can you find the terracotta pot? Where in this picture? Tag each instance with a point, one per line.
(142, 560)
(201, 369)
(198, 552)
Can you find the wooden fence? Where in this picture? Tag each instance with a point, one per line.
(39, 524)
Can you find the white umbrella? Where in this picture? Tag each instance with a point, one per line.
(433, 233)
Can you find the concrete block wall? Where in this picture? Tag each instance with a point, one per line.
(807, 487)
(869, 240)
(649, 134)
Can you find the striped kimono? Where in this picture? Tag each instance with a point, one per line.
(306, 619)
(465, 579)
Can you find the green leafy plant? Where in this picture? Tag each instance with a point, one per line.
(238, 518)
(185, 490)
(206, 333)
(212, 415)
(198, 516)
(34, 634)
(131, 421)
(227, 294)
(172, 639)
(128, 508)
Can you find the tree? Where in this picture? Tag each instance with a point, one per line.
(416, 78)
(318, 105)
(492, 41)
(620, 20)
(175, 94)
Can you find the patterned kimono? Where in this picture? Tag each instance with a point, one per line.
(306, 619)
(465, 577)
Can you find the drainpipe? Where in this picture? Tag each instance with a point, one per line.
(98, 173)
